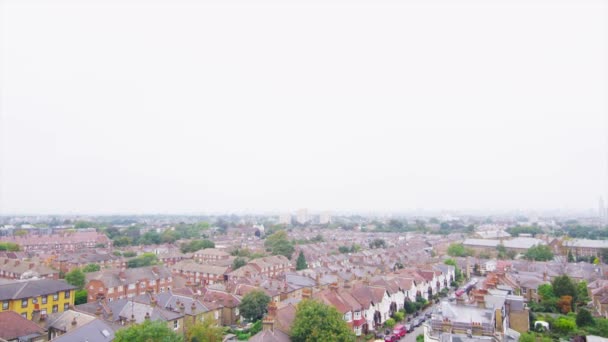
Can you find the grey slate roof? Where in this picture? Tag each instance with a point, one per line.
(33, 288)
(94, 331)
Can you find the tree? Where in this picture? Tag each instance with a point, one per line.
(502, 251)
(565, 304)
(75, 277)
(582, 294)
(284, 248)
(564, 325)
(564, 286)
(148, 331)
(91, 268)
(458, 250)
(205, 331)
(317, 322)
(584, 318)
(539, 253)
(301, 262)
(238, 263)
(278, 244)
(570, 256)
(409, 307)
(390, 323)
(377, 243)
(146, 259)
(343, 249)
(9, 246)
(546, 291)
(196, 245)
(80, 297)
(253, 306)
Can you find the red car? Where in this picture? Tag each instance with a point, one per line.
(391, 338)
(399, 330)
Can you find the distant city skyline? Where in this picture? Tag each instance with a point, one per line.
(250, 107)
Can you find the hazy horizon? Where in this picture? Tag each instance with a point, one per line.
(371, 106)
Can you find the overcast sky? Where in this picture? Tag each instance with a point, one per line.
(193, 106)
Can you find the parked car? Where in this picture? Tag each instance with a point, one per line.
(409, 327)
(417, 322)
(391, 338)
(399, 330)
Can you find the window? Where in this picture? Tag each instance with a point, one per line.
(91, 287)
(357, 314)
(111, 290)
(5, 305)
(24, 315)
(24, 303)
(142, 285)
(120, 288)
(217, 315)
(175, 325)
(43, 312)
(236, 311)
(66, 306)
(152, 282)
(131, 286)
(56, 296)
(67, 294)
(55, 308)
(44, 299)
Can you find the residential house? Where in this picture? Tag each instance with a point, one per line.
(41, 296)
(15, 328)
(26, 269)
(115, 284)
(200, 274)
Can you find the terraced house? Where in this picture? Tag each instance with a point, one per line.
(114, 284)
(41, 297)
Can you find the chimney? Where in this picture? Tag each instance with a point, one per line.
(132, 320)
(268, 321)
(6, 261)
(545, 276)
(122, 276)
(182, 308)
(74, 322)
(147, 317)
(193, 307)
(334, 286)
(31, 265)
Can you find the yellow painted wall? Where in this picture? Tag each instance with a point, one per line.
(15, 305)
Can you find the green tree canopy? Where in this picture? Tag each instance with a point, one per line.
(148, 331)
(196, 245)
(75, 277)
(91, 268)
(317, 322)
(238, 263)
(458, 250)
(301, 262)
(205, 331)
(278, 244)
(254, 305)
(146, 259)
(377, 243)
(564, 286)
(539, 253)
(584, 318)
(80, 297)
(9, 246)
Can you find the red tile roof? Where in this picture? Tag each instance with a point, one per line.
(12, 325)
